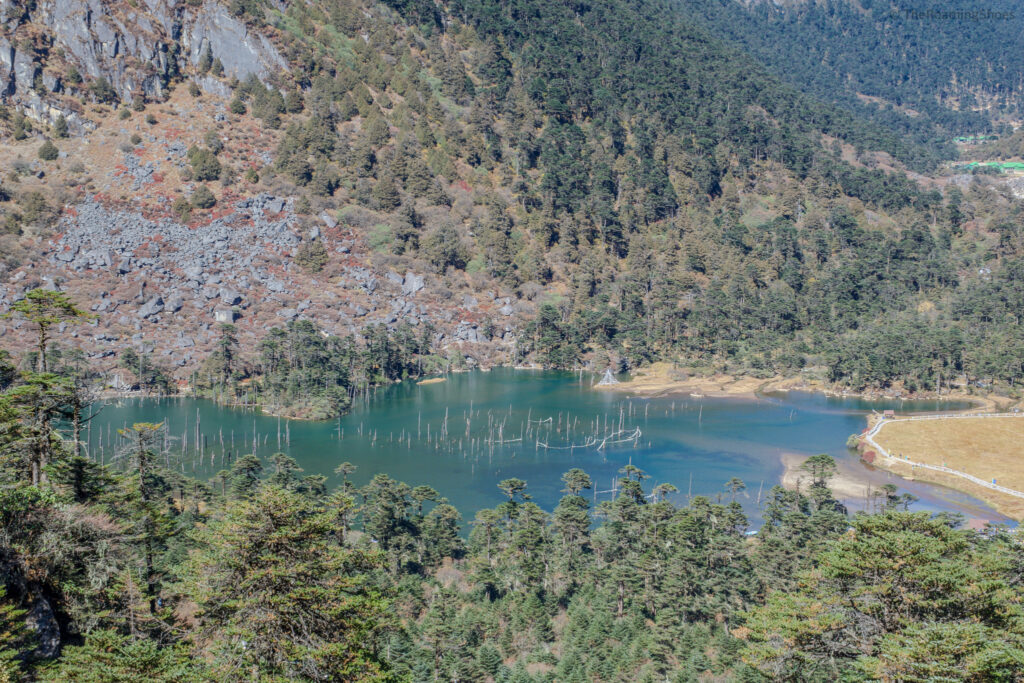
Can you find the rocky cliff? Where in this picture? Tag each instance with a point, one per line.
(55, 54)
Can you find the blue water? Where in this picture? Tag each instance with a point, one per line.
(695, 444)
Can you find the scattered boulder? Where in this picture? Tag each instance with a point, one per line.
(151, 307)
(41, 619)
(230, 297)
(174, 303)
(224, 315)
(328, 220)
(412, 283)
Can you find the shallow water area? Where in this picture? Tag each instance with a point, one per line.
(466, 434)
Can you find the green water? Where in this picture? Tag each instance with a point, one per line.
(496, 421)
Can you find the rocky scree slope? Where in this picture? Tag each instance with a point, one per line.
(156, 283)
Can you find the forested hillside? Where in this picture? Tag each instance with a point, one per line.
(932, 71)
(563, 184)
(134, 571)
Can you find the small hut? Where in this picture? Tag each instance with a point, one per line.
(224, 315)
(608, 379)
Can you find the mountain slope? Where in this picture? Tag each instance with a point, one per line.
(932, 71)
(525, 181)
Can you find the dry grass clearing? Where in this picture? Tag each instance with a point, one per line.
(986, 447)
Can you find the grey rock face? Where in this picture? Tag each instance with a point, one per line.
(151, 307)
(412, 283)
(213, 86)
(133, 50)
(241, 51)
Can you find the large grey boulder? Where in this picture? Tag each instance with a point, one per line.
(151, 307)
(412, 283)
(174, 303)
(43, 621)
(230, 296)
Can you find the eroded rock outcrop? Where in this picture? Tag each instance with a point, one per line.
(136, 49)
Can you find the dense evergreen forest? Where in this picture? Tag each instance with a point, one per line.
(132, 571)
(300, 372)
(932, 71)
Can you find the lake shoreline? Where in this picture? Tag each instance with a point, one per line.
(402, 432)
(846, 485)
(658, 381)
(1002, 503)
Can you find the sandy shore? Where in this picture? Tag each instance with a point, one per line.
(661, 379)
(433, 380)
(846, 485)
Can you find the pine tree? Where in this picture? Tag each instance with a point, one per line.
(48, 151)
(110, 656)
(202, 198)
(15, 639)
(60, 127)
(205, 60)
(145, 511)
(278, 598)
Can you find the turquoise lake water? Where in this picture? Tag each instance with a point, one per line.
(499, 422)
